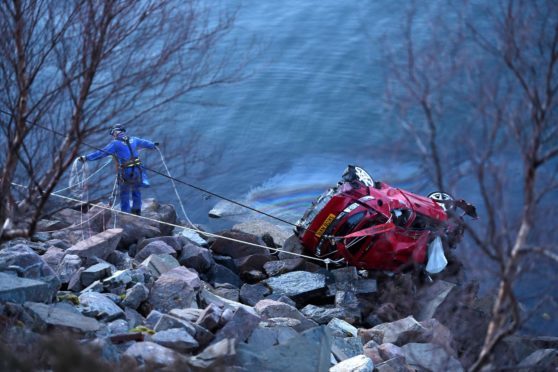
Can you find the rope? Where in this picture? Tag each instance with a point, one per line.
(112, 202)
(73, 184)
(175, 190)
(193, 229)
(166, 176)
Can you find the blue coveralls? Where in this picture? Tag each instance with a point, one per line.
(131, 173)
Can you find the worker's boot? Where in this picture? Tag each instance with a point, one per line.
(137, 212)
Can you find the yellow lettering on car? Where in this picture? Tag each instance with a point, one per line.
(324, 226)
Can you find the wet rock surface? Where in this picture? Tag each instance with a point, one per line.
(145, 299)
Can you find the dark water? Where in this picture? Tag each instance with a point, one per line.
(311, 104)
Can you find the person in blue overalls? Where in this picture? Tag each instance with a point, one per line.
(131, 175)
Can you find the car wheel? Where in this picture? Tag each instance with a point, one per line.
(441, 198)
(353, 173)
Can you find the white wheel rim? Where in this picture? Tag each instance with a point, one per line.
(363, 176)
(439, 198)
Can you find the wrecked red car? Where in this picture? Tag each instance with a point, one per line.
(372, 225)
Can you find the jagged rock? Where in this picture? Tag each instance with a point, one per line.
(216, 357)
(387, 312)
(209, 318)
(431, 297)
(292, 244)
(394, 365)
(135, 229)
(41, 237)
(400, 332)
(239, 327)
(389, 351)
(344, 348)
(235, 249)
(191, 315)
(430, 356)
(438, 334)
(155, 247)
(273, 268)
(23, 261)
(96, 219)
(207, 297)
(99, 306)
(156, 355)
(165, 213)
(226, 261)
(541, 360)
(228, 291)
(340, 328)
(166, 321)
(365, 286)
(266, 337)
(359, 363)
(119, 279)
(96, 272)
(177, 339)
(322, 315)
(280, 322)
(50, 225)
(96, 286)
(135, 296)
(370, 349)
(152, 319)
(252, 262)
(53, 257)
(20, 290)
(272, 309)
(221, 274)
(193, 236)
(59, 243)
(176, 288)
(253, 276)
(133, 317)
(58, 317)
(250, 294)
(261, 228)
(281, 298)
(67, 217)
(69, 266)
(203, 336)
(121, 260)
(228, 314)
(75, 281)
(347, 300)
(158, 264)
(100, 245)
(196, 257)
(175, 242)
(308, 351)
(345, 277)
(301, 286)
(118, 326)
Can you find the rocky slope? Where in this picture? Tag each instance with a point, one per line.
(97, 291)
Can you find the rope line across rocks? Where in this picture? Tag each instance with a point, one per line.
(204, 233)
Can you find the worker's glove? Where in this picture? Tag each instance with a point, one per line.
(82, 159)
(156, 144)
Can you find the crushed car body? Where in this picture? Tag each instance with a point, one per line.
(374, 226)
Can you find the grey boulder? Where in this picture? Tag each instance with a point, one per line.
(176, 288)
(100, 245)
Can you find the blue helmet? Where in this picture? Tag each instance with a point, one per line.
(117, 128)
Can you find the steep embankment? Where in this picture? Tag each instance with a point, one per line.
(134, 292)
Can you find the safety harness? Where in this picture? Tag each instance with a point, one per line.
(132, 163)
